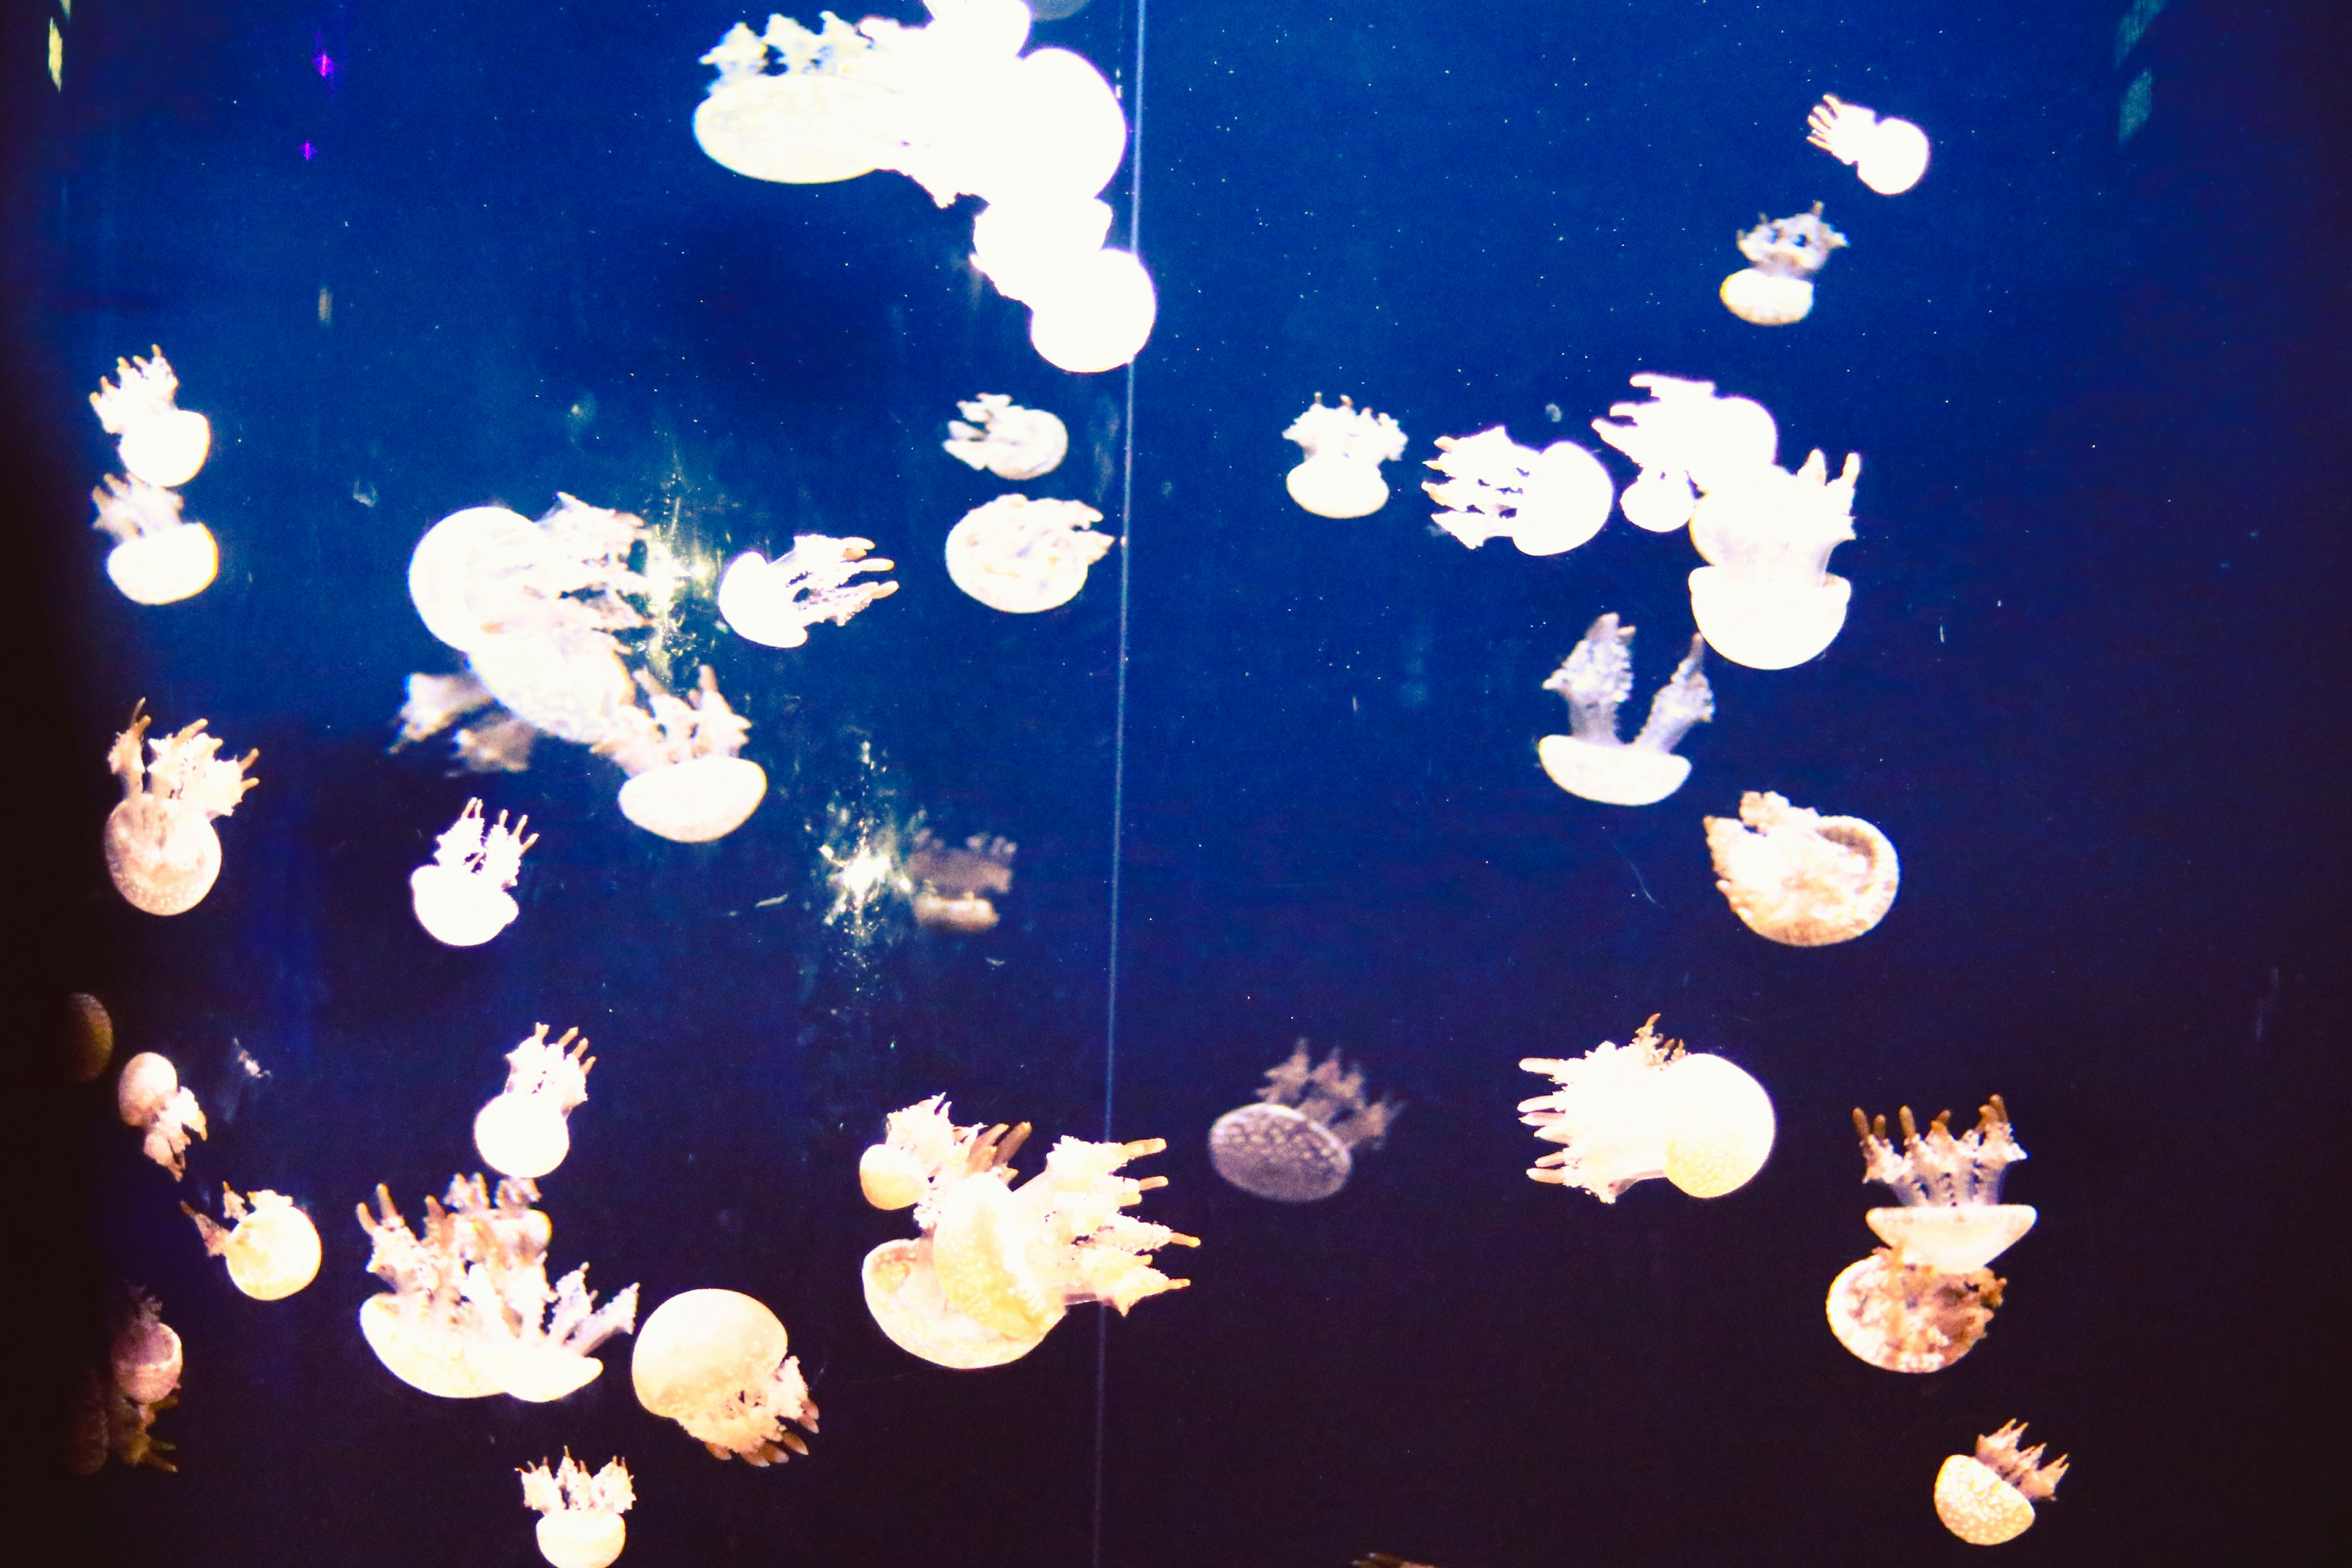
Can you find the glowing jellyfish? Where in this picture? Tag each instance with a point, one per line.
(1626, 1113)
(146, 1353)
(775, 602)
(1345, 447)
(1297, 1144)
(580, 1523)
(1951, 1215)
(161, 848)
(1591, 762)
(686, 783)
(1685, 438)
(525, 1131)
(1028, 248)
(115, 1408)
(1767, 598)
(715, 1363)
(952, 884)
(1988, 1497)
(1910, 1317)
(1784, 255)
(89, 1037)
(823, 117)
(1058, 132)
(149, 1097)
(1799, 877)
(1889, 154)
(461, 898)
(1008, 440)
(1023, 556)
(158, 557)
(271, 1246)
(1544, 502)
(1097, 315)
(161, 443)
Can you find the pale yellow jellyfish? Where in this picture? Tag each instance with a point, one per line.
(146, 1353)
(1988, 1497)
(1627, 1113)
(951, 884)
(1890, 154)
(461, 898)
(160, 443)
(580, 1523)
(1910, 1317)
(1095, 315)
(1345, 447)
(159, 557)
(161, 848)
(1008, 440)
(1023, 556)
(686, 783)
(89, 1037)
(823, 117)
(1544, 502)
(149, 1097)
(1784, 255)
(1799, 877)
(1297, 1145)
(115, 1405)
(271, 1246)
(776, 602)
(1590, 761)
(525, 1131)
(715, 1363)
(1951, 1215)
(1685, 438)
(1028, 248)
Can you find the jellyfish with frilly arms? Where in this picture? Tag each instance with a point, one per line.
(525, 1131)
(271, 1246)
(686, 783)
(580, 1523)
(1889, 154)
(1345, 447)
(1988, 1496)
(160, 443)
(1784, 255)
(116, 1405)
(1297, 1144)
(952, 882)
(150, 1098)
(1545, 502)
(1024, 556)
(461, 897)
(715, 1363)
(1591, 762)
(1799, 877)
(1008, 440)
(159, 557)
(776, 602)
(825, 115)
(1628, 1113)
(161, 848)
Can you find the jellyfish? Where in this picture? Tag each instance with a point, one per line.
(1890, 154)
(161, 443)
(1295, 1145)
(1767, 598)
(715, 1363)
(145, 1353)
(1095, 315)
(1784, 255)
(1951, 1215)
(686, 783)
(775, 602)
(149, 1097)
(823, 117)
(161, 848)
(1345, 447)
(1910, 1317)
(1799, 877)
(1029, 248)
(461, 898)
(436, 701)
(525, 1131)
(498, 746)
(159, 557)
(115, 1408)
(1544, 502)
(580, 1523)
(1008, 440)
(1685, 438)
(952, 885)
(1023, 556)
(89, 1037)
(1591, 762)
(1626, 1113)
(271, 1246)
(1988, 1497)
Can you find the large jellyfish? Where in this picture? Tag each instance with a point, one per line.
(1799, 877)
(149, 1097)
(115, 1407)
(1590, 761)
(271, 1246)
(824, 117)
(1022, 557)
(1776, 288)
(525, 1131)
(776, 602)
(1890, 154)
(580, 1523)
(1544, 502)
(461, 898)
(1988, 1497)
(161, 443)
(1297, 1144)
(952, 884)
(715, 1363)
(159, 557)
(1951, 1215)
(1345, 447)
(686, 783)
(1626, 1113)
(1008, 440)
(1910, 1317)
(1029, 248)
(161, 848)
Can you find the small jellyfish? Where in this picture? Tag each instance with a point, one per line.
(1591, 762)
(1989, 1498)
(821, 118)
(1951, 1215)
(159, 557)
(145, 1353)
(775, 602)
(580, 1523)
(1890, 154)
(461, 898)
(271, 1246)
(1799, 877)
(1297, 1144)
(161, 848)
(1910, 1317)
(1008, 440)
(952, 885)
(149, 1097)
(115, 1406)
(1784, 254)
(89, 1037)
(1095, 314)
(715, 1363)
(161, 444)
(1023, 556)
(1626, 1113)
(1345, 447)
(686, 783)
(1544, 502)
(525, 1131)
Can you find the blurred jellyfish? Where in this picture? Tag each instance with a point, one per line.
(115, 1408)
(775, 602)
(1591, 762)
(149, 1097)
(89, 1037)
(271, 1246)
(525, 1131)
(1989, 1498)
(1784, 254)
(161, 444)
(715, 1363)
(161, 848)
(461, 898)
(1345, 447)
(686, 783)
(1095, 315)
(1023, 556)
(1008, 440)
(1910, 1317)
(1951, 1215)
(1799, 877)
(1889, 154)
(1028, 248)
(498, 746)
(951, 884)
(1297, 1145)
(436, 701)
(823, 117)
(158, 557)
(1544, 502)
(580, 1523)
(1686, 436)
(145, 1353)
(1626, 1113)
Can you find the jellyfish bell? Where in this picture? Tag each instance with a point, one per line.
(1658, 501)
(1784, 255)
(426, 1356)
(1024, 557)
(1951, 1217)
(904, 1295)
(1058, 135)
(1955, 1240)
(1027, 247)
(466, 570)
(564, 680)
(1612, 776)
(1901, 1316)
(582, 1539)
(521, 1135)
(1768, 298)
(271, 1247)
(1987, 1498)
(892, 1177)
(696, 800)
(1566, 499)
(1096, 316)
(159, 557)
(1767, 626)
(714, 1362)
(146, 1353)
(819, 120)
(1798, 877)
(1275, 1151)
(149, 1097)
(1720, 1132)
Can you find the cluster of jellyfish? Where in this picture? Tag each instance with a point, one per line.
(161, 849)
(1623, 1114)
(115, 1402)
(159, 556)
(1295, 1144)
(1014, 553)
(958, 108)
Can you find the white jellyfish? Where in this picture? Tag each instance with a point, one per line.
(525, 1129)
(1988, 1497)
(1057, 132)
(953, 80)
(1767, 598)
(1890, 154)
(951, 884)
(1095, 315)
(1951, 1215)
(1008, 440)
(271, 1246)
(776, 602)
(1686, 436)
(158, 557)
(149, 1097)
(1799, 877)
(823, 117)
(1297, 1145)
(686, 783)
(580, 1523)
(1345, 447)
(1027, 248)
(715, 1363)
(1627, 1113)
(461, 898)
(1784, 255)
(1023, 556)
(161, 848)
(161, 443)
(1590, 761)
(1544, 502)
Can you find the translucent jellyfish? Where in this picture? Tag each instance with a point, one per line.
(149, 1097)
(1910, 1317)
(461, 898)
(1799, 877)
(776, 602)
(1029, 248)
(1297, 1144)
(436, 701)
(115, 1405)
(161, 848)
(822, 117)
(686, 783)
(1095, 315)
(1767, 598)
(1345, 447)
(1784, 254)
(1889, 154)
(145, 1353)
(1008, 440)
(161, 443)
(1951, 1215)
(1022, 557)
(952, 884)
(89, 1037)
(271, 1246)
(1590, 761)
(1544, 502)
(501, 744)
(525, 1131)
(1988, 1497)
(1626, 1113)
(715, 1363)
(580, 1523)
(1686, 436)
(158, 557)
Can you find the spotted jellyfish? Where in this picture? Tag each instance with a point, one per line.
(1023, 556)
(1784, 255)
(159, 557)
(525, 1131)
(1008, 440)
(1545, 502)
(115, 1408)
(271, 1246)
(580, 1523)
(461, 898)
(774, 603)
(822, 117)
(161, 443)
(715, 1363)
(951, 884)
(161, 848)
(1798, 878)
(1627, 1113)
(1889, 154)
(1297, 1145)
(686, 783)
(1590, 761)
(1345, 447)
(1685, 438)
(149, 1097)
(1988, 1496)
